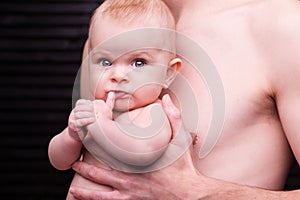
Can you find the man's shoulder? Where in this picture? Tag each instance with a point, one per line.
(281, 16)
(276, 27)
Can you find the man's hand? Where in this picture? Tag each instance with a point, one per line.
(171, 183)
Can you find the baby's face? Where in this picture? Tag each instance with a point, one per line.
(132, 64)
(136, 78)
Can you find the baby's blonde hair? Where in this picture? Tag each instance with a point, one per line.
(141, 11)
(147, 13)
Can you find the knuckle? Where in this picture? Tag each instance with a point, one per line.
(116, 195)
(71, 128)
(78, 102)
(125, 182)
(120, 182)
(77, 123)
(92, 172)
(86, 121)
(77, 115)
(80, 123)
(95, 196)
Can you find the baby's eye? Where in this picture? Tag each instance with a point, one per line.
(139, 63)
(104, 62)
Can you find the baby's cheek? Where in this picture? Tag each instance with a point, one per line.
(148, 94)
(99, 95)
(97, 83)
(99, 92)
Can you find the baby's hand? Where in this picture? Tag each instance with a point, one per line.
(103, 109)
(81, 116)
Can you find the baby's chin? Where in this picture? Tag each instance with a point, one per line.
(125, 105)
(122, 105)
(122, 109)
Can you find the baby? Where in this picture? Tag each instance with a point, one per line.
(125, 126)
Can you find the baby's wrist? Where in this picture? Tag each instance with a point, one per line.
(74, 135)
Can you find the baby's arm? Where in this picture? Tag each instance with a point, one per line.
(138, 137)
(150, 137)
(65, 148)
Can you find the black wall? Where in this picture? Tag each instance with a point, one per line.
(41, 43)
(40, 52)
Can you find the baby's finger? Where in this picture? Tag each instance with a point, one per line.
(84, 107)
(84, 121)
(83, 114)
(110, 101)
(82, 102)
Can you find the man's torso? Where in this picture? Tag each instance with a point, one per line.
(252, 148)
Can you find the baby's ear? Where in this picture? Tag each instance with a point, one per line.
(173, 68)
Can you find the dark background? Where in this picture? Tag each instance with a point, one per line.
(41, 44)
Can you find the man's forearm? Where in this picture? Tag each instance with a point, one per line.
(183, 184)
(228, 191)
(249, 193)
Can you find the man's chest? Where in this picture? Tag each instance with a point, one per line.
(236, 90)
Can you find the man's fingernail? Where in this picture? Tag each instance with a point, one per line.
(75, 165)
(72, 190)
(169, 101)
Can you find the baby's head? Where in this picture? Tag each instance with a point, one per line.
(131, 51)
(135, 13)
(116, 16)
(142, 11)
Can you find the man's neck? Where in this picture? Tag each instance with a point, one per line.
(179, 7)
(176, 6)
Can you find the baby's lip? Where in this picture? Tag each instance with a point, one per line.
(120, 94)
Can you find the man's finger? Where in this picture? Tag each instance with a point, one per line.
(171, 110)
(82, 193)
(99, 175)
(173, 114)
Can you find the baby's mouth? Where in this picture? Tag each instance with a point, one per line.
(121, 95)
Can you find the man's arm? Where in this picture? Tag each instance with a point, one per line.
(285, 74)
(177, 181)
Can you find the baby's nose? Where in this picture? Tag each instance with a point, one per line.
(119, 74)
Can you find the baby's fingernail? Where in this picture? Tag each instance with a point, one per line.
(111, 95)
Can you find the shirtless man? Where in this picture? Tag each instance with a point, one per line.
(255, 46)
